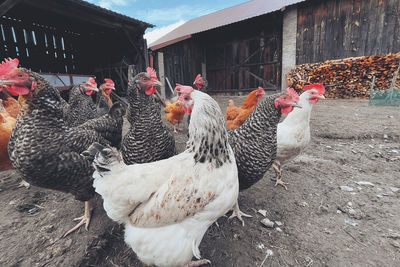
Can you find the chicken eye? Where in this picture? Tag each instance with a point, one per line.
(186, 98)
(20, 75)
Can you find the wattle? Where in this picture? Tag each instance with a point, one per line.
(150, 91)
(16, 90)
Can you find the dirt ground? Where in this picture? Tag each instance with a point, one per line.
(322, 224)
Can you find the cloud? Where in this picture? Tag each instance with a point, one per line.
(172, 14)
(110, 3)
(157, 33)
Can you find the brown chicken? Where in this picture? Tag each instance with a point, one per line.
(7, 123)
(237, 116)
(10, 104)
(175, 114)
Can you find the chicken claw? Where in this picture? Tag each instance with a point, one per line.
(84, 220)
(197, 263)
(25, 184)
(280, 182)
(238, 213)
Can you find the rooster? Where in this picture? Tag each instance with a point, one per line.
(80, 106)
(200, 82)
(43, 148)
(167, 206)
(293, 134)
(174, 113)
(237, 116)
(254, 143)
(103, 99)
(148, 139)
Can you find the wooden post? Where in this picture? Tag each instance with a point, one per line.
(204, 70)
(131, 73)
(288, 43)
(161, 73)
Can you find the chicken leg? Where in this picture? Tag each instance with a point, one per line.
(85, 219)
(238, 213)
(198, 263)
(277, 167)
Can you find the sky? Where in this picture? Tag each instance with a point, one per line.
(166, 15)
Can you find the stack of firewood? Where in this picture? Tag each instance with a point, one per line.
(348, 78)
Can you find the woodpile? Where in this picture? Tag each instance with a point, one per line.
(347, 78)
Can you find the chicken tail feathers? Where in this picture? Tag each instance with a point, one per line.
(102, 156)
(117, 110)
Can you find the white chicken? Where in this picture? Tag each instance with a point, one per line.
(293, 134)
(167, 206)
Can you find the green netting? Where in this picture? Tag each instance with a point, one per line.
(384, 98)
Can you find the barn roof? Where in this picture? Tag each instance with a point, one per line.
(96, 14)
(220, 18)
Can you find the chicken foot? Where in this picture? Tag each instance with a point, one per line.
(197, 263)
(25, 184)
(177, 128)
(277, 167)
(85, 219)
(238, 213)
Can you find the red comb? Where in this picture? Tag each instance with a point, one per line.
(153, 73)
(198, 77)
(317, 86)
(93, 81)
(261, 90)
(8, 65)
(291, 92)
(110, 82)
(184, 89)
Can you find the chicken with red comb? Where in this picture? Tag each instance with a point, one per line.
(148, 139)
(254, 143)
(43, 149)
(293, 134)
(235, 116)
(103, 99)
(81, 107)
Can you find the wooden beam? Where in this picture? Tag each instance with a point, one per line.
(7, 5)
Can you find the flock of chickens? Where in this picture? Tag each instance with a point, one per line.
(77, 147)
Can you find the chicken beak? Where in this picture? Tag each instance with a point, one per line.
(296, 105)
(4, 83)
(157, 83)
(321, 96)
(113, 88)
(95, 89)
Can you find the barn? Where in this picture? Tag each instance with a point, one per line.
(71, 39)
(257, 43)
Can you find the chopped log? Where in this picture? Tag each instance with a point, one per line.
(348, 78)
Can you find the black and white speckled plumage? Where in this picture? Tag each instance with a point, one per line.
(45, 151)
(80, 107)
(254, 143)
(148, 138)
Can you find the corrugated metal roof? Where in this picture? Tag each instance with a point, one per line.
(220, 18)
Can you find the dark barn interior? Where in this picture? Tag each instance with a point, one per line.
(72, 36)
(239, 57)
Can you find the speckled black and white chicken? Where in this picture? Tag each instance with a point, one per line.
(167, 205)
(103, 97)
(43, 148)
(81, 107)
(148, 138)
(254, 143)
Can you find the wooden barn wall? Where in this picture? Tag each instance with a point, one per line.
(238, 57)
(182, 62)
(335, 29)
(245, 55)
(46, 42)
